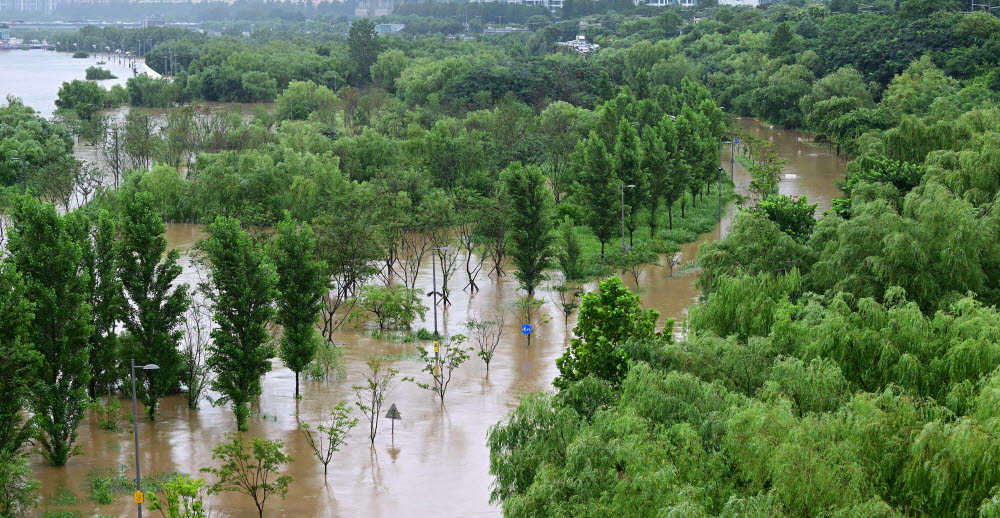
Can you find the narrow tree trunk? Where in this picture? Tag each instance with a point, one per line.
(297, 387)
(670, 216)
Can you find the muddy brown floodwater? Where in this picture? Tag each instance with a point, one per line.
(437, 464)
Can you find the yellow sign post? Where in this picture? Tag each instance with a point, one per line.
(138, 497)
(437, 344)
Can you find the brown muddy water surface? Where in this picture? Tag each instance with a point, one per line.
(437, 464)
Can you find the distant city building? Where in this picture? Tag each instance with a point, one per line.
(379, 7)
(153, 21)
(389, 28)
(748, 3)
(502, 30)
(29, 6)
(665, 3)
(551, 5)
(4, 32)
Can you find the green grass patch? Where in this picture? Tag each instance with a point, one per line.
(701, 218)
(61, 514)
(404, 357)
(64, 496)
(408, 337)
(106, 486)
(744, 161)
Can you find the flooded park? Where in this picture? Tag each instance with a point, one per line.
(436, 462)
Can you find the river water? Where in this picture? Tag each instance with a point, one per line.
(437, 463)
(36, 75)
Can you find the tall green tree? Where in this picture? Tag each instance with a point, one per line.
(530, 218)
(18, 363)
(303, 280)
(599, 190)
(363, 49)
(153, 307)
(608, 318)
(106, 301)
(627, 162)
(243, 287)
(44, 251)
(559, 125)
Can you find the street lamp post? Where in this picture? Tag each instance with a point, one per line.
(630, 186)
(434, 293)
(135, 431)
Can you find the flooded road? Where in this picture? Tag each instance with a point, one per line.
(36, 75)
(437, 463)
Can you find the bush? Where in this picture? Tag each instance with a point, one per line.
(328, 362)
(98, 73)
(81, 54)
(392, 306)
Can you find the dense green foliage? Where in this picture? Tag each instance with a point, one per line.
(301, 286)
(243, 289)
(840, 367)
(47, 253)
(153, 306)
(530, 209)
(98, 73)
(252, 468)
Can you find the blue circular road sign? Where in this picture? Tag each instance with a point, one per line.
(736, 140)
(526, 329)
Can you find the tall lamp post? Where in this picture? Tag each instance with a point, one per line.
(434, 293)
(630, 186)
(135, 430)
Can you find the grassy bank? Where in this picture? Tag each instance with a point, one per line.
(699, 218)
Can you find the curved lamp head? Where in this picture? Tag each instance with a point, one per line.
(150, 367)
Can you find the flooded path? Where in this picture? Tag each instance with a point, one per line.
(437, 464)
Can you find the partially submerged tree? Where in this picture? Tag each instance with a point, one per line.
(47, 255)
(379, 382)
(485, 332)
(183, 497)
(197, 333)
(153, 307)
(242, 291)
(391, 306)
(251, 469)
(569, 297)
(530, 206)
(528, 310)
(18, 363)
(331, 434)
(607, 319)
(441, 362)
(302, 282)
